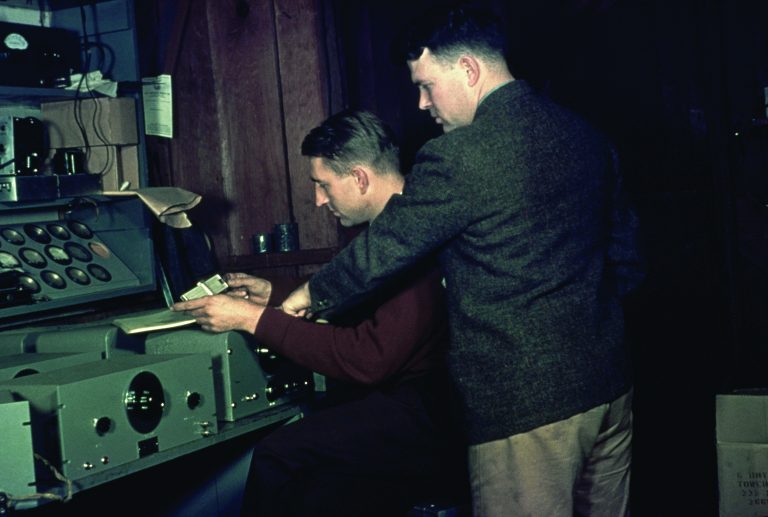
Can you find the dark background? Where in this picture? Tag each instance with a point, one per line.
(678, 86)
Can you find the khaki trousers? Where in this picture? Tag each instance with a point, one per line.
(577, 466)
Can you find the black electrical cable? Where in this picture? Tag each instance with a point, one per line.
(95, 119)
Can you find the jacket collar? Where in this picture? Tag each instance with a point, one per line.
(503, 94)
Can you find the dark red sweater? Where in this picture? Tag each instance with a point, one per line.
(403, 337)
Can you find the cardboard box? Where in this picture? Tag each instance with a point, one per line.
(124, 166)
(128, 165)
(106, 121)
(111, 133)
(742, 453)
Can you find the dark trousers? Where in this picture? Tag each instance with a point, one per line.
(374, 456)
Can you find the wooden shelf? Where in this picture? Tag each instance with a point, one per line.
(279, 259)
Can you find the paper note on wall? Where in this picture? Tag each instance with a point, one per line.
(158, 105)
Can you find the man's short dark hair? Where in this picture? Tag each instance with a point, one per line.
(353, 137)
(449, 31)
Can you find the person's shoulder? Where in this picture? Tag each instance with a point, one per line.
(447, 147)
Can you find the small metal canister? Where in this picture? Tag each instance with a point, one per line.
(262, 242)
(286, 237)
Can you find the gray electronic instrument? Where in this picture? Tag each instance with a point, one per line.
(97, 252)
(97, 416)
(15, 342)
(21, 365)
(248, 377)
(106, 339)
(17, 462)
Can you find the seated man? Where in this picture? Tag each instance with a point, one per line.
(388, 437)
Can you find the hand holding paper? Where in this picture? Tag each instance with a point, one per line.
(222, 312)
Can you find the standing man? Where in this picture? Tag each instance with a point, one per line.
(522, 201)
(391, 442)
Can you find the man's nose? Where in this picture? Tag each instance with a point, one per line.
(320, 197)
(424, 101)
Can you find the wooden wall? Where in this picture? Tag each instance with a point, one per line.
(250, 79)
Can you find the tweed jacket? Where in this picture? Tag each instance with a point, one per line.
(537, 247)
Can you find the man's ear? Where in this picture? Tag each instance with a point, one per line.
(361, 178)
(472, 68)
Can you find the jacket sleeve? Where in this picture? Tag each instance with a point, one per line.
(282, 286)
(370, 351)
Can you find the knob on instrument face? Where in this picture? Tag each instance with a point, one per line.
(80, 229)
(103, 425)
(194, 400)
(144, 402)
(12, 236)
(37, 234)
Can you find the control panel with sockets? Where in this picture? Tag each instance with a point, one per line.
(60, 259)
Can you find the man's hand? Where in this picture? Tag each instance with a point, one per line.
(223, 312)
(246, 286)
(298, 302)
